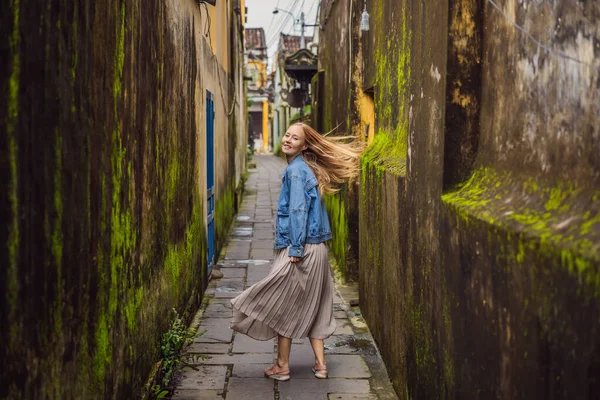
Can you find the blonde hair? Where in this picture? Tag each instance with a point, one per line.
(334, 160)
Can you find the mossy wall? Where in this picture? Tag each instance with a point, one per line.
(478, 215)
(102, 187)
(335, 114)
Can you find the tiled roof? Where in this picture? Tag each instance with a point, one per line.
(255, 39)
(289, 44)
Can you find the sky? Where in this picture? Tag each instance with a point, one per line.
(260, 14)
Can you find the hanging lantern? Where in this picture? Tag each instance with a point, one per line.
(364, 22)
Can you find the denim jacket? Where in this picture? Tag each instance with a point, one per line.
(301, 214)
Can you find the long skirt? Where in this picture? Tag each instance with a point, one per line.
(295, 300)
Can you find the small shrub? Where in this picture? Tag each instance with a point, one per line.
(172, 344)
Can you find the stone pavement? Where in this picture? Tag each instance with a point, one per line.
(228, 365)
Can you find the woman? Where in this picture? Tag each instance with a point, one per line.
(296, 299)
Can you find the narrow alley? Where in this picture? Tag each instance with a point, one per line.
(447, 152)
(226, 363)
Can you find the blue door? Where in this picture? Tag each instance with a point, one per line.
(210, 176)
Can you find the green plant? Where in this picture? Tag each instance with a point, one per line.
(172, 344)
(306, 111)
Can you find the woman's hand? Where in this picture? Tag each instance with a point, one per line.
(295, 259)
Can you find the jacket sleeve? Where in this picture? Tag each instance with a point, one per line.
(298, 216)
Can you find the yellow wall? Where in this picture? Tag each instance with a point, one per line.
(265, 115)
(243, 6)
(218, 31)
(261, 67)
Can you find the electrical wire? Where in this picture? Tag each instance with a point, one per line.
(544, 46)
(217, 65)
(282, 21)
(273, 17)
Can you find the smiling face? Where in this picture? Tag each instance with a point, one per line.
(293, 142)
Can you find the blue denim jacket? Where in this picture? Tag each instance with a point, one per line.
(301, 214)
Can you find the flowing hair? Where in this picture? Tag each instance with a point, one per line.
(334, 160)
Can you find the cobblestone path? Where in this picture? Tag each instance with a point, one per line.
(230, 365)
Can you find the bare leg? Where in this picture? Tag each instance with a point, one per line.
(319, 348)
(284, 345)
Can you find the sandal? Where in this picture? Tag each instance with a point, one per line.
(320, 371)
(278, 373)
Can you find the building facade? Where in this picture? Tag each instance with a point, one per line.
(258, 92)
(474, 229)
(122, 151)
(282, 85)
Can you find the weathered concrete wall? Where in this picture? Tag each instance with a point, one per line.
(479, 197)
(102, 186)
(333, 110)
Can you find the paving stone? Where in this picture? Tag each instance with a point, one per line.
(267, 254)
(343, 344)
(311, 388)
(208, 348)
(227, 295)
(241, 370)
(237, 254)
(262, 244)
(206, 377)
(255, 274)
(227, 359)
(197, 395)
(230, 264)
(264, 234)
(336, 314)
(337, 299)
(229, 288)
(351, 396)
(302, 359)
(344, 327)
(234, 273)
(347, 366)
(250, 389)
(216, 331)
(218, 308)
(241, 232)
(263, 219)
(245, 344)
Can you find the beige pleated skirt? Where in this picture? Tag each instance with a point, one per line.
(295, 300)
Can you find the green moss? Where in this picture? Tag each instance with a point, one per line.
(590, 223)
(74, 60)
(132, 308)
(180, 258)
(122, 234)
(13, 197)
(57, 235)
(557, 197)
(224, 213)
(388, 151)
(119, 56)
(385, 154)
(336, 207)
(422, 345)
(102, 352)
(547, 215)
(448, 369)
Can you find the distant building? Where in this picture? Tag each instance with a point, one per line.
(258, 94)
(282, 84)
